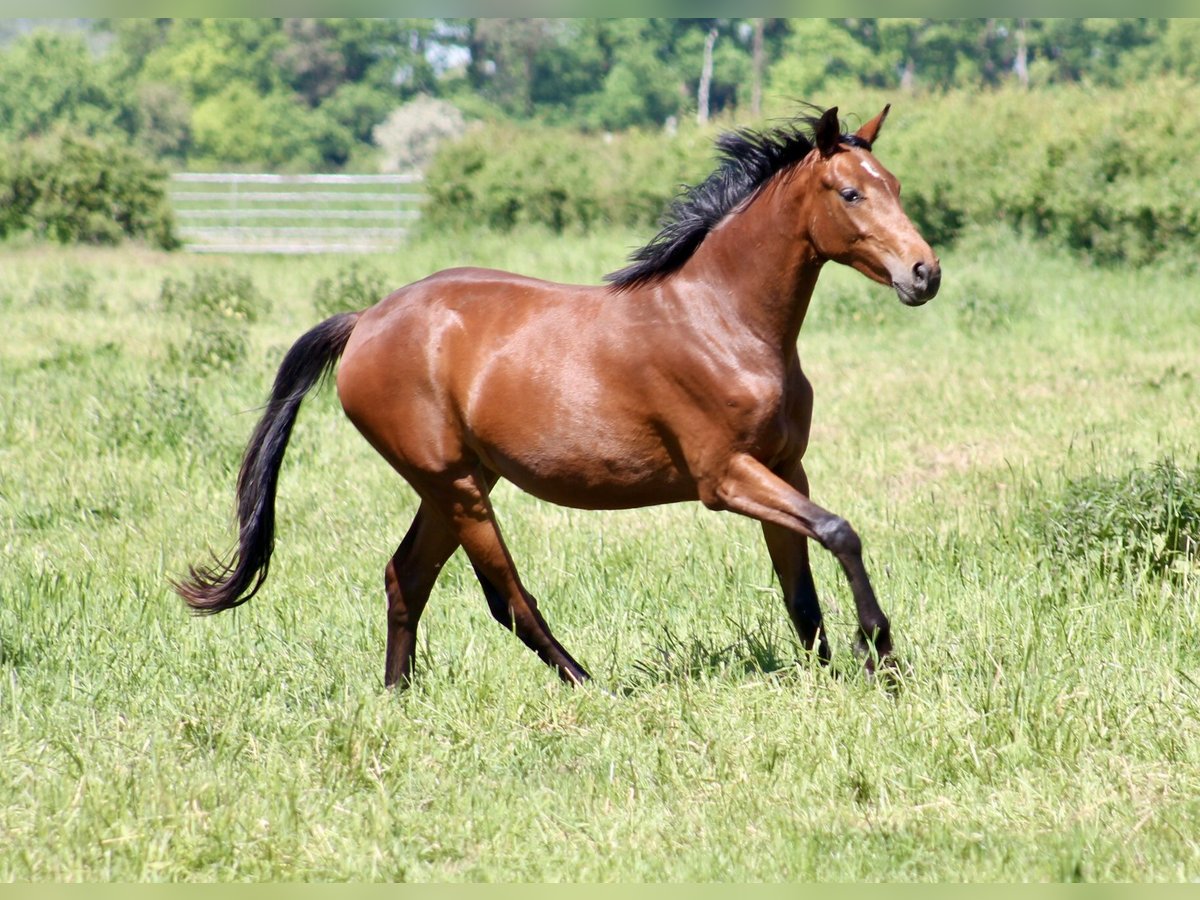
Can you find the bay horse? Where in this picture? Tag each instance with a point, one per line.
(679, 380)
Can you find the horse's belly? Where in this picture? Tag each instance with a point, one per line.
(592, 475)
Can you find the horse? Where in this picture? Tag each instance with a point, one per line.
(678, 380)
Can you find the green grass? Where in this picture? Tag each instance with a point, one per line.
(1046, 726)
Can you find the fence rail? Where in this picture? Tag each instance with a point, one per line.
(223, 212)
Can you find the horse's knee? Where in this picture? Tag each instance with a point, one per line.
(391, 581)
(836, 536)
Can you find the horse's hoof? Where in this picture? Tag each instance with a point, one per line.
(886, 671)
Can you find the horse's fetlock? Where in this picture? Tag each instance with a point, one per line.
(877, 633)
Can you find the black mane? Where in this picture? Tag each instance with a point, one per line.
(748, 160)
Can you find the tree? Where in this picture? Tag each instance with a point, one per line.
(241, 126)
(503, 57)
(48, 79)
(202, 57)
(819, 53)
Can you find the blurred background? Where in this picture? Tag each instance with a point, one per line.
(1076, 131)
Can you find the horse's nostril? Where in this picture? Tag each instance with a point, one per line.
(921, 274)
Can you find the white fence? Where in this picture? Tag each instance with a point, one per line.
(245, 213)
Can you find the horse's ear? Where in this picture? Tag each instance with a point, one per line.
(870, 131)
(828, 131)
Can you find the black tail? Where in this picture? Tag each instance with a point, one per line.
(229, 583)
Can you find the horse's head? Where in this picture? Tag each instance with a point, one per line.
(857, 219)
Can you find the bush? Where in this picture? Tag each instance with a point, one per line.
(217, 304)
(72, 189)
(1145, 519)
(214, 294)
(503, 177)
(1102, 173)
(238, 125)
(1096, 172)
(211, 346)
(351, 287)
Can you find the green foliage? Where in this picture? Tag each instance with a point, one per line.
(215, 306)
(214, 293)
(240, 125)
(353, 286)
(73, 189)
(50, 80)
(213, 345)
(502, 177)
(1147, 518)
(72, 288)
(818, 54)
(1108, 181)
(1097, 172)
(306, 93)
(204, 56)
(358, 108)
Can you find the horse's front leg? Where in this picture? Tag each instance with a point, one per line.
(789, 556)
(750, 488)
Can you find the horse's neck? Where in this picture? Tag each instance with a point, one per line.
(755, 263)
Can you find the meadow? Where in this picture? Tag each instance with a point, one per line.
(1020, 457)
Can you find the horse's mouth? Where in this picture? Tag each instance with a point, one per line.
(911, 294)
(909, 297)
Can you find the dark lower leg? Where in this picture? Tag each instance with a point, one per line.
(408, 581)
(538, 637)
(468, 510)
(789, 555)
(875, 634)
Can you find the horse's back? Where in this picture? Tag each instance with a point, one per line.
(430, 358)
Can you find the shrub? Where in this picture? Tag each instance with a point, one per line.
(503, 177)
(73, 189)
(241, 126)
(217, 303)
(1102, 173)
(351, 287)
(214, 293)
(211, 346)
(1147, 518)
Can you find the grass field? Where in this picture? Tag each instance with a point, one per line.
(1020, 457)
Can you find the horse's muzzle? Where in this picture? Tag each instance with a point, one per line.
(922, 285)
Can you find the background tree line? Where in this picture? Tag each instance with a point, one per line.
(309, 93)
(1079, 131)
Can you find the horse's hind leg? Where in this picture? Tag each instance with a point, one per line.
(408, 580)
(468, 509)
(789, 555)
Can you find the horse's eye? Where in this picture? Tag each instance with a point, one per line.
(850, 195)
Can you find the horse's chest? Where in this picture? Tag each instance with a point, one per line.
(780, 430)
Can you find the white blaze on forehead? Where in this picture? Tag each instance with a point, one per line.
(871, 170)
